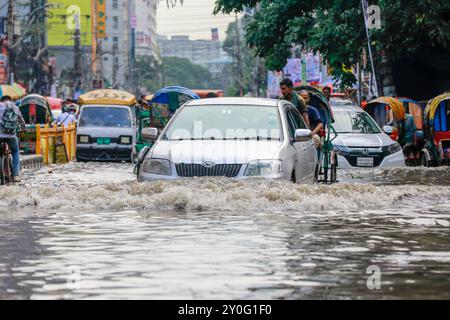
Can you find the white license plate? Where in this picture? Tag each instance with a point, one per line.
(364, 162)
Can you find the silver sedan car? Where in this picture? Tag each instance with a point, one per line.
(231, 137)
(362, 143)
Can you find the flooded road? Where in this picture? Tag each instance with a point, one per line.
(90, 231)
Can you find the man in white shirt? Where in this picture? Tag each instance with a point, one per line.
(66, 117)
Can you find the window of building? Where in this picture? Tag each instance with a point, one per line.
(115, 4)
(115, 22)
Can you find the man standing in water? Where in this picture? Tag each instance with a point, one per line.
(287, 89)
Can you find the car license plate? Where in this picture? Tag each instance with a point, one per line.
(364, 162)
(103, 140)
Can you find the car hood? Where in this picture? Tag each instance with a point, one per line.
(219, 152)
(363, 140)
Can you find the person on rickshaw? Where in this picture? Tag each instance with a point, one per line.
(288, 93)
(406, 135)
(327, 92)
(316, 123)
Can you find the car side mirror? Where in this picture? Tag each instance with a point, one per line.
(302, 135)
(388, 130)
(149, 133)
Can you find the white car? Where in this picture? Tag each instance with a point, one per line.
(338, 102)
(361, 142)
(231, 137)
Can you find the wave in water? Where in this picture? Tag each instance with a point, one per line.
(220, 194)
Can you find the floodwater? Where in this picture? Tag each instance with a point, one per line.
(90, 231)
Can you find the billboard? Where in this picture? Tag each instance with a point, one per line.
(62, 22)
(312, 67)
(100, 7)
(273, 84)
(293, 70)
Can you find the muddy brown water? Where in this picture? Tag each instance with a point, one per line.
(90, 231)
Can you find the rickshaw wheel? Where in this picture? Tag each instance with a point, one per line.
(333, 173)
(2, 175)
(423, 161)
(325, 168)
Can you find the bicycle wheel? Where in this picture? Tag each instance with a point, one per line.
(2, 171)
(9, 169)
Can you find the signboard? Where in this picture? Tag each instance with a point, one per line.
(62, 22)
(100, 7)
(312, 67)
(215, 34)
(273, 84)
(97, 84)
(133, 22)
(293, 71)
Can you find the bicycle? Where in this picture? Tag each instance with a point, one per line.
(6, 167)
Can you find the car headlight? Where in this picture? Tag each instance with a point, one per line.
(125, 140)
(83, 139)
(393, 148)
(341, 150)
(258, 168)
(157, 166)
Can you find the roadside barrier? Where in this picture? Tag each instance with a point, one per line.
(56, 144)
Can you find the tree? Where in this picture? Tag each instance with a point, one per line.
(148, 73)
(336, 29)
(246, 62)
(182, 72)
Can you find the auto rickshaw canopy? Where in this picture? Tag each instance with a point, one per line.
(394, 104)
(108, 97)
(36, 109)
(433, 105)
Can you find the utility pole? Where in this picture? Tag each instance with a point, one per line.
(364, 5)
(239, 58)
(77, 54)
(11, 41)
(114, 54)
(132, 15)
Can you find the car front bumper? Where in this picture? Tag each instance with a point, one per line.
(104, 153)
(145, 176)
(395, 160)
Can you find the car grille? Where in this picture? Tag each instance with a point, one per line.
(353, 160)
(378, 156)
(198, 170)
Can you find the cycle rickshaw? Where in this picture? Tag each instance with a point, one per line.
(327, 170)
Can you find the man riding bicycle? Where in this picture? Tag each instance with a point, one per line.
(11, 122)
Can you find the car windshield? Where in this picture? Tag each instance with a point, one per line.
(354, 122)
(225, 122)
(105, 117)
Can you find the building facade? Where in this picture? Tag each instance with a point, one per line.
(145, 33)
(208, 53)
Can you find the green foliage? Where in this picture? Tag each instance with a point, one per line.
(182, 72)
(336, 29)
(248, 62)
(148, 72)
